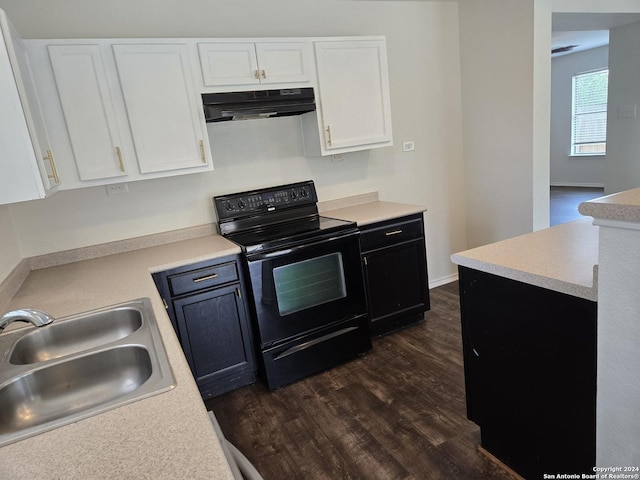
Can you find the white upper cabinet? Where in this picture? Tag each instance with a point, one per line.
(28, 165)
(255, 63)
(353, 105)
(162, 106)
(81, 80)
(121, 110)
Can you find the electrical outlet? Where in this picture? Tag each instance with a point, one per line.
(408, 146)
(117, 188)
(337, 157)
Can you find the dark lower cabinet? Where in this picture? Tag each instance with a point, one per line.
(207, 308)
(395, 269)
(530, 373)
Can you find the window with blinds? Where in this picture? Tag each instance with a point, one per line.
(589, 113)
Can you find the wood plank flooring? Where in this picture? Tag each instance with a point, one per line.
(396, 413)
(564, 202)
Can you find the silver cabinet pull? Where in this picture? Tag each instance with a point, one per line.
(203, 279)
(395, 232)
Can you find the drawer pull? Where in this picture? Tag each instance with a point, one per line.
(395, 232)
(204, 279)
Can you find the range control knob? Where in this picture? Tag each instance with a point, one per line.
(304, 193)
(241, 204)
(229, 206)
(293, 194)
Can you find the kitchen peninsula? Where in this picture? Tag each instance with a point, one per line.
(528, 308)
(548, 318)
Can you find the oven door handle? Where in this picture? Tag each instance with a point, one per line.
(254, 257)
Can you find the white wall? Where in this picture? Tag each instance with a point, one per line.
(496, 38)
(623, 134)
(566, 170)
(424, 64)
(9, 249)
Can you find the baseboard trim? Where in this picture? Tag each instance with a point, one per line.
(576, 185)
(443, 280)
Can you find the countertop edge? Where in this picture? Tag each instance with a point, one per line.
(561, 286)
(563, 258)
(622, 206)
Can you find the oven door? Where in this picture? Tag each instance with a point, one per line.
(307, 287)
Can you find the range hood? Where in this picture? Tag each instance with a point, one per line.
(221, 107)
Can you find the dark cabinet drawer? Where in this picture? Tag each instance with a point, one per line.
(203, 278)
(391, 233)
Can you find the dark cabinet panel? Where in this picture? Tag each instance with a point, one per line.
(395, 267)
(530, 373)
(213, 331)
(211, 320)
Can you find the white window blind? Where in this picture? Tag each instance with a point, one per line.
(589, 119)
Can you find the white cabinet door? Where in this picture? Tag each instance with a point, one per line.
(28, 168)
(162, 106)
(229, 64)
(354, 111)
(248, 63)
(284, 62)
(81, 81)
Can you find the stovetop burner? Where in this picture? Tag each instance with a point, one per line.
(286, 234)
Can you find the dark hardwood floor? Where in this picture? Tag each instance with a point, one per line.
(564, 202)
(396, 413)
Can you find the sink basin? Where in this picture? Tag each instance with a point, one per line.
(78, 367)
(54, 392)
(75, 335)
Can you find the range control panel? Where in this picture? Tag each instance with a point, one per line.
(264, 201)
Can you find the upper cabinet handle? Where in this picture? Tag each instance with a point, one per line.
(54, 171)
(202, 155)
(257, 74)
(329, 134)
(120, 159)
(264, 74)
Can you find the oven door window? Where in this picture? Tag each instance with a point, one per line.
(302, 285)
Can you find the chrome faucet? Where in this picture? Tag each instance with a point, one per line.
(37, 317)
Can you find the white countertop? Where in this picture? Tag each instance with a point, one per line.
(623, 206)
(563, 258)
(372, 212)
(168, 435)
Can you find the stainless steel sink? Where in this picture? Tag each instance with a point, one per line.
(75, 334)
(79, 366)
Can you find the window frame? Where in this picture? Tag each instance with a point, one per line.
(573, 144)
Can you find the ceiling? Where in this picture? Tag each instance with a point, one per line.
(586, 30)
